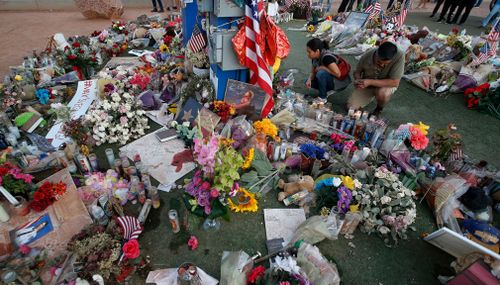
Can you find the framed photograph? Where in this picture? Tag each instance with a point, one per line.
(246, 99)
(356, 19)
(32, 231)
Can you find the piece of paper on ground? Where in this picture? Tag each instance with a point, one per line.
(282, 223)
(157, 157)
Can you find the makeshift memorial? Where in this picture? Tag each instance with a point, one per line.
(415, 134)
(80, 58)
(199, 88)
(446, 144)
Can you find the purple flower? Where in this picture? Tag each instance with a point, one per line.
(344, 201)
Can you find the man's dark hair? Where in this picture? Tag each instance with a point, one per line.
(387, 51)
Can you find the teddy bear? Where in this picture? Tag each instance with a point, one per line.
(302, 183)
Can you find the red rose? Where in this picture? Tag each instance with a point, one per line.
(76, 44)
(71, 57)
(3, 171)
(81, 51)
(131, 249)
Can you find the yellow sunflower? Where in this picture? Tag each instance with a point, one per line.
(246, 202)
(18, 77)
(163, 48)
(310, 28)
(249, 158)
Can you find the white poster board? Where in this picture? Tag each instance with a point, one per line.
(456, 244)
(85, 95)
(282, 223)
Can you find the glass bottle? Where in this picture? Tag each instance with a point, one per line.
(154, 196)
(141, 192)
(132, 193)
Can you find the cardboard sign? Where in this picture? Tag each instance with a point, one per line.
(85, 95)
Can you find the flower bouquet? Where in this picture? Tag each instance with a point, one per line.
(46, 195)
(215, 181)
(117, 118)
(16, 182)
(386, 205)
(415, 134)
(119, 27)
(98, 251)
(80, 58)
(335, 191)
(222, 109)
(483, 99)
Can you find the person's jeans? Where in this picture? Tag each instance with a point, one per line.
(467, 5)
(436, 8)
(449, 5)
(328, 2)
(323, 82)
(492, 15)
(160, 3)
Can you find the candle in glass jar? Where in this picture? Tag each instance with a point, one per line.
(4, 216)
(110, 156)
(93, 161)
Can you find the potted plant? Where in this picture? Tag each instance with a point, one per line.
(200, 63)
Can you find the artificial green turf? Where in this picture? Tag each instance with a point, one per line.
(412, 262)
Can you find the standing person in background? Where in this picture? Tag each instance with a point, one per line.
(448, 8)
(464, 4)
(436, 8)
(171, 5)
(155, 7)
(328, 3)
(492, 15)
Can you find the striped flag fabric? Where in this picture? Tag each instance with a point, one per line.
(373, 9)
(197, 41)
(401, 17)
(483, 54)
(254, 59)
(493, 35)
(131, 226)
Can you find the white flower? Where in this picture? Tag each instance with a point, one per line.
(384, 230)
(357, 184)
(385, 200)
(186, 124)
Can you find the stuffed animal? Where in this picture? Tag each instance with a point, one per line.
(303, 183)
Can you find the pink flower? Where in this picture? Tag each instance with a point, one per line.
(54, 271)
(234, 189)
(24, 249)
(214, 193)
(193, 243)
(123, 120)
(122, 109)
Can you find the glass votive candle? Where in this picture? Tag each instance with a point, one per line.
(110, 156)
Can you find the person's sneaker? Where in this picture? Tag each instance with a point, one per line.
(319, 100)
(154, 10)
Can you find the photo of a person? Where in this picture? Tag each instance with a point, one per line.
(246, 99)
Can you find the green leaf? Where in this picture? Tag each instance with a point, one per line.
(261, 163)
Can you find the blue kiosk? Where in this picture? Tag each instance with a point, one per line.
(220, 16)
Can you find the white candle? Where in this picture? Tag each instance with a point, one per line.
(9, 196)
(4, 216)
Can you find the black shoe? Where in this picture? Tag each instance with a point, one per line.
(431, 16)
(376, 112)
(175, 8)
(161, 11)
(440, 20)
(154, 10)
(451, 22)
(168, 9)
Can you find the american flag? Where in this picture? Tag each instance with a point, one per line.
(400, 18)
(493, 38)
(373, 9)
(197, 41)
(483, 56)
(131, 227)
(254, 60)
